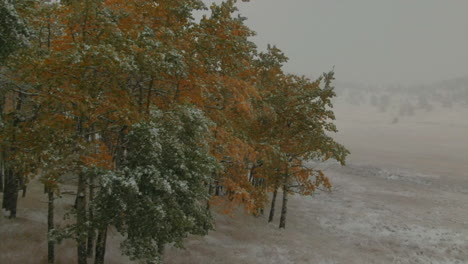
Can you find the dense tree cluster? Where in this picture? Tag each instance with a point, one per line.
(159, 116)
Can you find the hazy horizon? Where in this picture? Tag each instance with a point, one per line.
(370, 42)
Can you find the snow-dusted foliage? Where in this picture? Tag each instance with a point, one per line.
(13, 32)
(159, 194)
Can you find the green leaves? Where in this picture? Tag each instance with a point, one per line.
(13, 31)
(159, 195)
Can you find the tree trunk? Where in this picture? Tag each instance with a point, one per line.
(101, 246)
(217, 192)
(50, 228)
(24, 190)
(80, 205)
(140, 99)
(210, 192)
(273, 202)
(2, 172)
(161, 249)
(5, 192)
(1, 180)
(10, 194)
(81, 219)
(91, 231)
(14, 196)
(250, 175)
(148, 96)
(2, 154)
(284, 207)
(13, 177)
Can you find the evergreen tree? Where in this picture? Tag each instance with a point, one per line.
(159, 194)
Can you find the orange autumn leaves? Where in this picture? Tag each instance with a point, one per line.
(101, 158)
(109, 62)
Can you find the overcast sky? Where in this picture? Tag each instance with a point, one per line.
(368, 41)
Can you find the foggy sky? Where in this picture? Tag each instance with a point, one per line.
(368, 41)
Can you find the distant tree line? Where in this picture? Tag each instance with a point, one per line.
(407, 100)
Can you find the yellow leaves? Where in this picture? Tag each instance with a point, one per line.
(102, 158)
(234, 153)
(9, 103)
(244, 107)
(321, 179)
(233, 93)
(110, 62)
(327, 156)
(235, 197)
(136, 48)
(226, 144)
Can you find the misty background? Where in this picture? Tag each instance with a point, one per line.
(374, 42)
(401, 71)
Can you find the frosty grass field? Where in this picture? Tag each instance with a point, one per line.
(402, 198)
